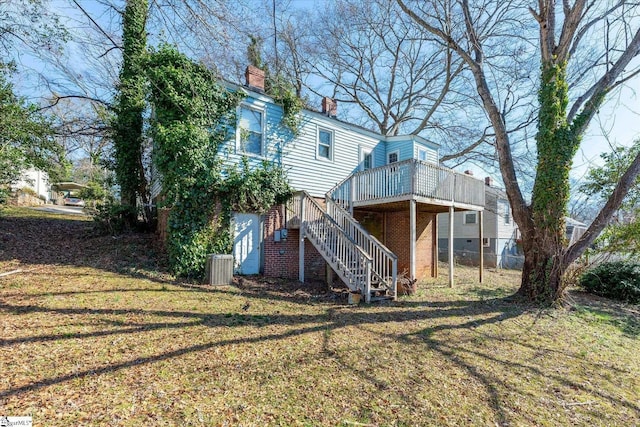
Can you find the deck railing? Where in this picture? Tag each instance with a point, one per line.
(410, 177)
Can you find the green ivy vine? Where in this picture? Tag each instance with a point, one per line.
(193, 117)
(129, 106)
(557, 144)
(284, 94)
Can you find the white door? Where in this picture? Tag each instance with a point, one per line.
(246, 243)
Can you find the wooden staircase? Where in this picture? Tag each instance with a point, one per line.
(359, 259)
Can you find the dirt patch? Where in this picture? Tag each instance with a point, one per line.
(70, 240)
(315, 290)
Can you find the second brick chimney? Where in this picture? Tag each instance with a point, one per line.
(255, 78)
(329, 106)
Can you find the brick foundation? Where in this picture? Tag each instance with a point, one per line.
(281, 259)
(393, 230)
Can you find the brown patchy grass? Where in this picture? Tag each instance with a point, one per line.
(93, 332)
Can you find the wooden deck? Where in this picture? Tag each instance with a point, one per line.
(428, 184)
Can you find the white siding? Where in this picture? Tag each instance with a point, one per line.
(460, 229)
(505, 230)
(432, 155)
(298, 155)
(493, 220)
(317, 175)
(36, 180)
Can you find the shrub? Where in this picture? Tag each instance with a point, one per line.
(111, 218)
(5, 193)
(617, 280)
(94, 191)
(28, 191)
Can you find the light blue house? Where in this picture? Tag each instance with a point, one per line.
(366, 207)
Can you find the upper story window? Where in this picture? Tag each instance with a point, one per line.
(470, 218)
(392, 157)
(507, 213)
(325, 144)
(422, 154)
(367, 161)
(251, 131)
(366, 158)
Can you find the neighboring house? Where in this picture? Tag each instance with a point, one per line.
(366, 204)
(575, 229)
(500, 232)
(501, 237)
(36, 180)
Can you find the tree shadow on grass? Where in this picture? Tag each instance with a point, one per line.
(444, 316)
(130, 256)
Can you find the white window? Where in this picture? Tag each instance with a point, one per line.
(507, 214)
(392, 157)
(250, 131)
(367, 162)
(366, 159)
(325, 144)
(422, 154)
(470, 218)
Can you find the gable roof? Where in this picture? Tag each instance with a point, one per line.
(261, 96)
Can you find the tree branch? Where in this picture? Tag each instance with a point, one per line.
(606, 213)
(594, 96)
(572, 18)
(505, 157)
(57, 100)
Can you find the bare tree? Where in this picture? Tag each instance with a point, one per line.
(602, 37)
(396, 78)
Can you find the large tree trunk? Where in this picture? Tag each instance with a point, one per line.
(543, 270)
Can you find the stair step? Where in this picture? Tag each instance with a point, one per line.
(381, 298)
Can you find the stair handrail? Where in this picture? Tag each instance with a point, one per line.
(347, 257)
(384, 261)
(339, 187)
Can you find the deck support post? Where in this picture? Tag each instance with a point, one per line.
(412, 234)
(481, 246)
(436, 249)
(301, 242)
(451, 211)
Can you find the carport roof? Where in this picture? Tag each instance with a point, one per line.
(63, 186)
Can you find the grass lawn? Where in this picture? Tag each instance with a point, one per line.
(93, 332)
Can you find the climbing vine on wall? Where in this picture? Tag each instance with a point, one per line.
(283, 93)
(193, 117)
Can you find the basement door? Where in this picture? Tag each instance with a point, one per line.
(246, 243)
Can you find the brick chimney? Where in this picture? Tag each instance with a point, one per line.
(255, 78)
(468, 172)
(329, 106)
(488, 181)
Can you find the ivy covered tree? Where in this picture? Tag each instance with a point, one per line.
(193, 117)
(130, 104)
(492, 38)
